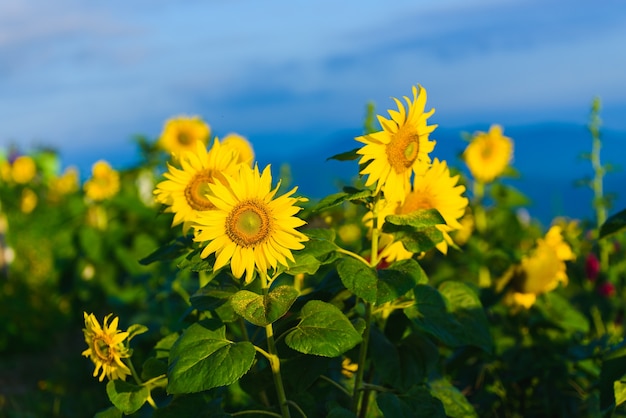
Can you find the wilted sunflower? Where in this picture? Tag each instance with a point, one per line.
(400, 149)
(539, 272)
(245, 152)
(488, 154)
(249, 227)
(106, 347)
(104, 182)
(435, 189)
(181, 133)
(185, 190)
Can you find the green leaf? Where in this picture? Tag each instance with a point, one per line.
(414, 240)
(263, 310)
(559, 311)
(163, 346)
(456, 319)
(454, 402)
(203, 358)
(171, 251)
(614, 224)
(194, 262)
(619, 389)
(211, 297)
(345, 156)
(152, 368)
(337, 199)
(323, 331)
(127, 397)
(359, 278)
(419, 219)
(136, 329)
(111, 412)
(91, 243)
(418, 403)
(197, 405)
(398, 279)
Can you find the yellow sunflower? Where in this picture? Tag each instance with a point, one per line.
(243, 147)
(28, 200)
(488, 155)
(23, 169)
(434, 189)
(539, 272)
(390, 156)
(249, 227)
(106, 347)
(181, 133)
(104, 182)
(66, 183)
(186, 188)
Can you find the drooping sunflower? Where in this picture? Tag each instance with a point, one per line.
(104, 182)
(181, 133)
(186, 188)
(434, 189)
(250, 228)
(392, 155)
(106, 347)
(243, 147)
(488, 155)
(539, 272)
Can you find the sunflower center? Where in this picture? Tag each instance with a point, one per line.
(184, 138)
(403, 149)
(102, 347)
(416, 201)
(197, 189)
(249, 224)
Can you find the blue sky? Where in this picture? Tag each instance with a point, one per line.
(84, 76)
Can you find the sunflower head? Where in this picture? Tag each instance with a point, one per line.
(437, 189)
(28, 200)
(23, 169)
(488, 155)
(186, 188)
(401, 148)
(181, 133)
(104, 182)
(64, 184)
(245, 152)
(250, 228)
(106, 347)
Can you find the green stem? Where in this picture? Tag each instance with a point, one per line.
(274, 360)
(480, 218)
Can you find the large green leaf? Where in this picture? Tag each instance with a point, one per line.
(359, 278)
(614, 224)
(111, 412)
(127, 397)
(337, 199)
(398, 279)
(323, 331)
(263, 310)
(203, 358)
(559, 311)
(170, 251)
(414, 240)
(454, 402)
(418, 403)
(419, 219)
(454, 316)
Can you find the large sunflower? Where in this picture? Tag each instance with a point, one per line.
(539, 272)
(106, 347)
(249, 227)
(185, 190)
(434, 189)
(488, 154)
(390, 156)
(181, 133)
(104, 182)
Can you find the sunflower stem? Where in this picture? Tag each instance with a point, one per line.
(274, 360)
(479, 210)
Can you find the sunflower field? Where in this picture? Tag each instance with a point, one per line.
(199, 283)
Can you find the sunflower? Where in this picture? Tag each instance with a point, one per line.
(488, 154)
(181, 133)
(390, 156)
(28, 200)
(244, 149)
(106, 347)
(104, 182)
(539, 272)
(23, 169)
(249, 227)
(64, 184)
(185, 190)
(434, 189)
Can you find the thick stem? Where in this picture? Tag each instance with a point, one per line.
(274, 360)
